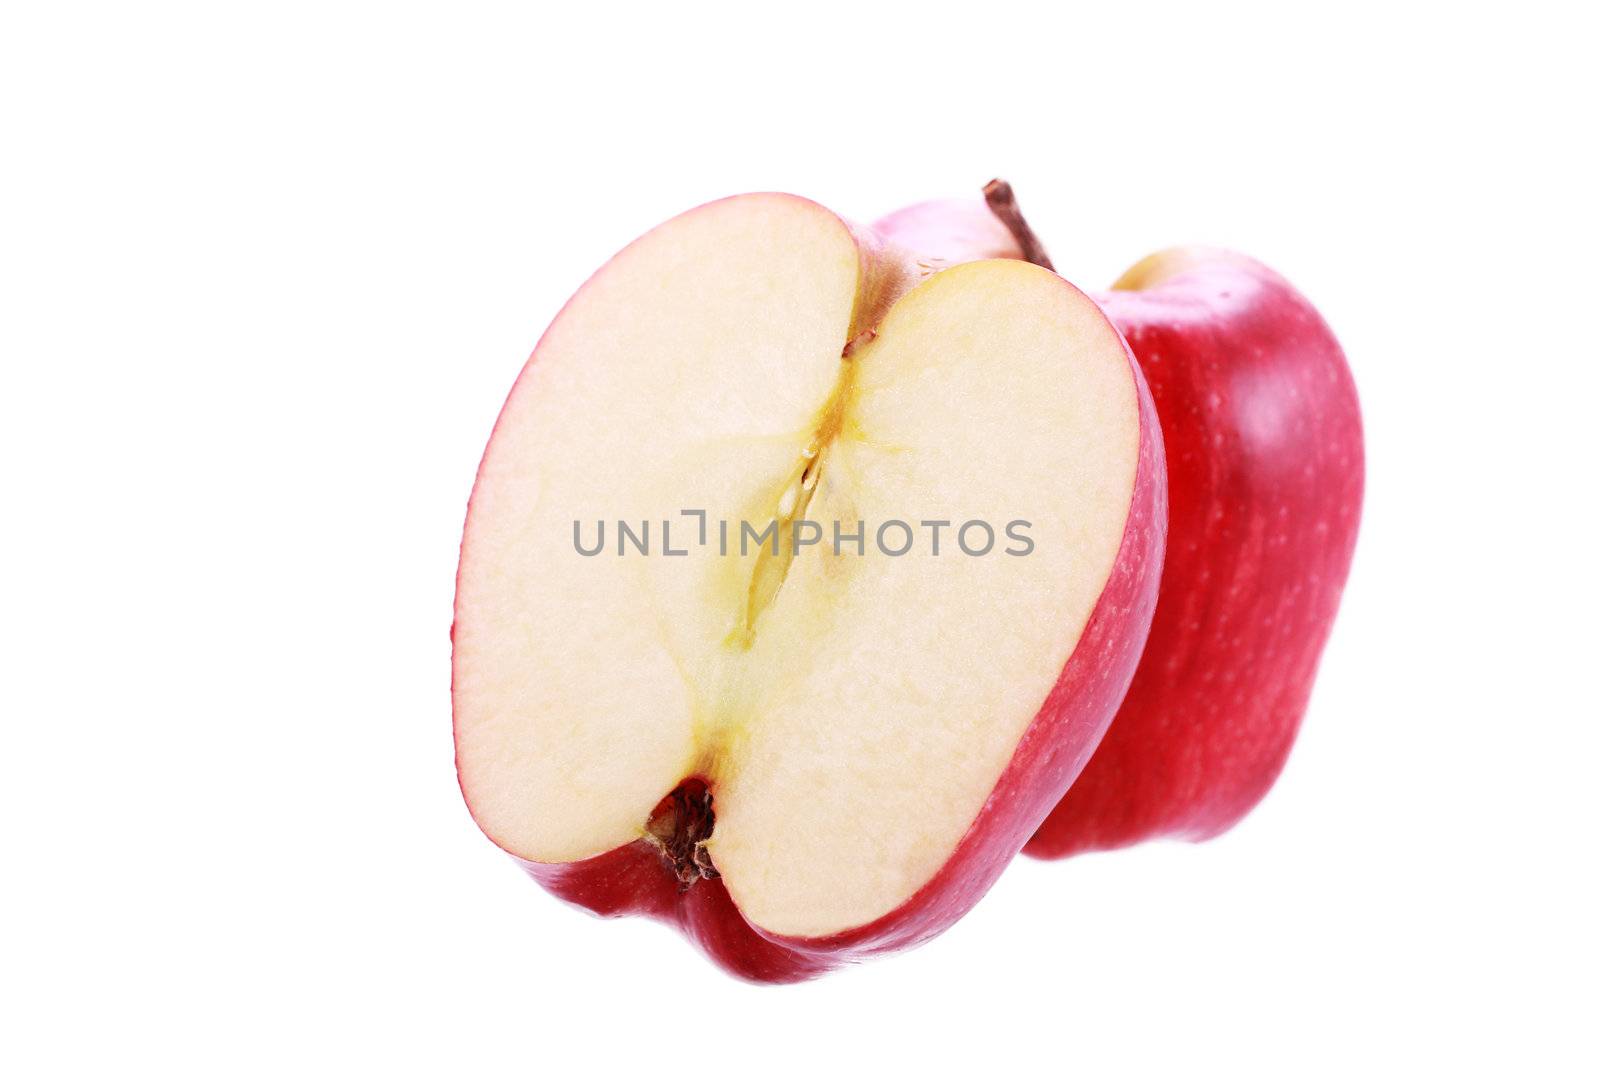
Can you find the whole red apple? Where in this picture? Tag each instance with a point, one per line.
(1265, 470)
(1264, 459)
(1264, 477)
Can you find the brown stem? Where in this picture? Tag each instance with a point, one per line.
(1003, 202)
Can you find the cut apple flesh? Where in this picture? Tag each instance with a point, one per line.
(849, 713)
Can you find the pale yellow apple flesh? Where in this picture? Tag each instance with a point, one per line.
(758, 359)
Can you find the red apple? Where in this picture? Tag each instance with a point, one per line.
(1264, 458)
(802, 758)
(1265, 470)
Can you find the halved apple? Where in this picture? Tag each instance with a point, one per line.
(828, 742)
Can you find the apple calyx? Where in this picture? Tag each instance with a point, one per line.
(1002, 202)
(679, 829)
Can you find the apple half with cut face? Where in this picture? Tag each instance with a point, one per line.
(828, 744)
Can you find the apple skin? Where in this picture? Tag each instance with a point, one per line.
(1265, 473)
(634, 879)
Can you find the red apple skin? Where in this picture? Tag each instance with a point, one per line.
(635, 880)
(1265, 471)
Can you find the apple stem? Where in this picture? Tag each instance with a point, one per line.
(1003, 202)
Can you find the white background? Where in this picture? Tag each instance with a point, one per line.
(267, 276)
